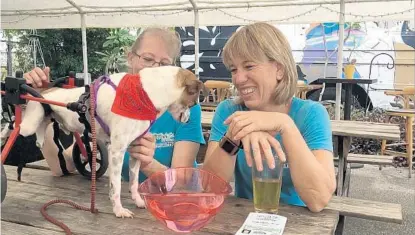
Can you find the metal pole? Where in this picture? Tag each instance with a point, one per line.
(325, 63)
(34, 53)
(340, 60)
(9, 57)
(197, 43)
(84, 50)
(196, 27)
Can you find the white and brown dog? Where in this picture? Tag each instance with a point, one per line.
(126, 106)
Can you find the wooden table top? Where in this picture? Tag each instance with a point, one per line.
(21, 210)
(371, 130)
(347, 81)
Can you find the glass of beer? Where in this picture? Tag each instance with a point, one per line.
(267, 186)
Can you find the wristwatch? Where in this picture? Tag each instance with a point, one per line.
(229, 146)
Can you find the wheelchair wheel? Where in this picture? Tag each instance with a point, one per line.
(3, 183)
(83, 166)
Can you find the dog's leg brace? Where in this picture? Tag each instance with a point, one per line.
(61, 158)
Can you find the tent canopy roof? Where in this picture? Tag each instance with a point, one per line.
(28, 14)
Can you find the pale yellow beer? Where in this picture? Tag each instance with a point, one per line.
(266, 195)
(267, 186)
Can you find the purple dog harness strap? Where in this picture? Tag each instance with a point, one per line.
(96, 85)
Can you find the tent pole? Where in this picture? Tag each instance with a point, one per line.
(340, 60)
(196, 28)
(84, 49)
(197, 43)
(325, 63)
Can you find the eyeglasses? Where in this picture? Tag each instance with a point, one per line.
(150, 62)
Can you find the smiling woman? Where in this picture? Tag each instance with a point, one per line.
(265, 117)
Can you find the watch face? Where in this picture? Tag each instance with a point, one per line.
(228, 146)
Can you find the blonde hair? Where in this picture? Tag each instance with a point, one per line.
(170, 37)
(262, 42)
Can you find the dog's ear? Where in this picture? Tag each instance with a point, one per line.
(185, 77)
(188, 80)
(193, 87)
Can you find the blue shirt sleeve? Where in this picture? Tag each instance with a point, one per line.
(317, 128)
(223, 111)
(191, 131)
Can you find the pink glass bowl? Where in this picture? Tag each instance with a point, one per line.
(184, 199)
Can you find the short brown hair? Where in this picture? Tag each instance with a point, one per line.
(261, 42)
(169, 36)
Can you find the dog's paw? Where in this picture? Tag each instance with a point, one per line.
(121, 212)
(139, 202)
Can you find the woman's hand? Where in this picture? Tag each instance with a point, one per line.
(261, 144)
(143, 149)
(241, 123)
(37, 76)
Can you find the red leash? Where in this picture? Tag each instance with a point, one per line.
(15, 133)
(92, 209)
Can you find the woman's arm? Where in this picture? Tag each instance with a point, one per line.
(188, 138)
(219, 161)
(312, 172)
(184, 155)
(216, 159)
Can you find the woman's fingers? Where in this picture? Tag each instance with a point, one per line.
(266, 150)
(247, 149)
(247, 128)
(277, 147)
(148, 136)
(256, 151)
(232, 117)
(36, 76)
(144, 159)
(141, 150)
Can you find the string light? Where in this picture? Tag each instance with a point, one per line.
(269, 21)
(368, 15)
(312, 10)
(58, 15)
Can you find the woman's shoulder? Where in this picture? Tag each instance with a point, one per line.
(229, 106)
(306, 108)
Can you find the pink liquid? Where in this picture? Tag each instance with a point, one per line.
(184, 212)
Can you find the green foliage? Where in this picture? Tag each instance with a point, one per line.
(115, 50)
(62, 50)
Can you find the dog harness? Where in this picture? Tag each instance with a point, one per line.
(131, 100)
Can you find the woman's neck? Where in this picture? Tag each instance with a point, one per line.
(281, 108)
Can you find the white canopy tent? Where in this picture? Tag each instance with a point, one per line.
(44, 14)
(23, 14)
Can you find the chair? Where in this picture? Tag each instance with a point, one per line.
(218, 91)
(404, 90)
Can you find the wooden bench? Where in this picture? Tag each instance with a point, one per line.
(364, 209)
(368, 159)
(367, 209)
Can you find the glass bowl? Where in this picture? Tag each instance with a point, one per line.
(184, 199)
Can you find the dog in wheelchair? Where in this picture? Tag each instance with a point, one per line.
(126, 106)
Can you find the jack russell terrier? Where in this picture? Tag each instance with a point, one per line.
(126, 107)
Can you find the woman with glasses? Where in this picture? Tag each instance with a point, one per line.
(169, 143)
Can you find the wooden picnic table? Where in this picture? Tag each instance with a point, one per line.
(21, 210)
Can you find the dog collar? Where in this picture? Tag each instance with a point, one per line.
(132, 101)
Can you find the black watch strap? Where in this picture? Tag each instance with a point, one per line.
(229, 146)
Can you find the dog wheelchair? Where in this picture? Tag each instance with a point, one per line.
(15, 94)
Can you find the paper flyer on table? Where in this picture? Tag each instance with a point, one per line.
(263, 223)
